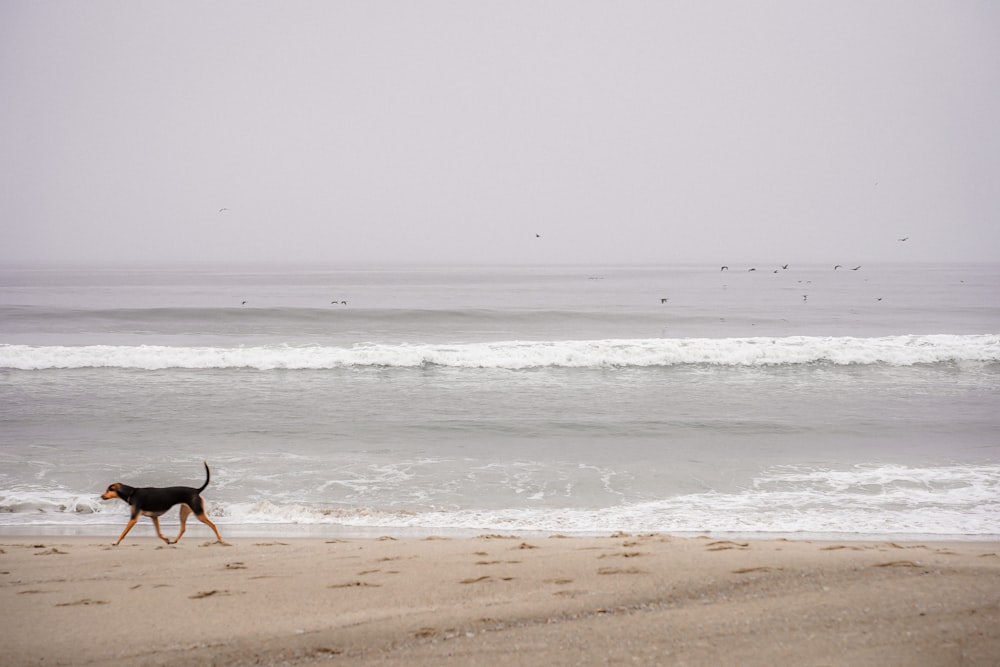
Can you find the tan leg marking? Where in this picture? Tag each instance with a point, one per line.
(156, 522)
(131, 522)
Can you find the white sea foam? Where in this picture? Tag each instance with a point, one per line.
(763, 351)
(873, 500)
(953, 500)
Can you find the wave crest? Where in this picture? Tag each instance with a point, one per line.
(763, 351)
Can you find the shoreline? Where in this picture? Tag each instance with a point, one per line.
(144, 529)
(528, 600)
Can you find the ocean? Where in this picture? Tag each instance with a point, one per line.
(804, 401)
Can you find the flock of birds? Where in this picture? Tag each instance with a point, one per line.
(663, 300)
(805, 297)
(785, 266)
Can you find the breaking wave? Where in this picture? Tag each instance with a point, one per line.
(761, 351)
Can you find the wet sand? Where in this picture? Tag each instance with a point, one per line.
(497, 599)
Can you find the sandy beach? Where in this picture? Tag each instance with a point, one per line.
(620, 599)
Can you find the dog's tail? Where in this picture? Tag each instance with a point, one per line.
(208, 477)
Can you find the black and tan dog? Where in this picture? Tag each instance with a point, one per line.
(153, 502)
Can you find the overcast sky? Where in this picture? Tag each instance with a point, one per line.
(619, 131)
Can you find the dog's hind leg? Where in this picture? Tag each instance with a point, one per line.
(185, 511)
(208, 522)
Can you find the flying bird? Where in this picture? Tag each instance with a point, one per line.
(223, 209)
(724, 268)
(784, 266)
(664, 300)
(855, 268)
(905, 238)
(836, 267)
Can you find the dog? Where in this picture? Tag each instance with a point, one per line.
(154, 502)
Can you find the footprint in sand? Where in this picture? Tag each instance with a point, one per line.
(897, 563)
(355, 584)
(745, 570)
(52, 552)
(212, 593)
(475, 580)
(626, 554)
(571, 593)
(900, 546)
(722, 545)
(425, 633)
(85, 601)
(621, 570)
(386, 559)
(238, 565)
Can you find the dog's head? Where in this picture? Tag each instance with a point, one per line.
(114, 491)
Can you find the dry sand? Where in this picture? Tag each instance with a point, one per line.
(489, 600)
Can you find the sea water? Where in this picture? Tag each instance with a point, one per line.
(805, 401)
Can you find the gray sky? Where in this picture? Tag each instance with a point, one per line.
(620, 131)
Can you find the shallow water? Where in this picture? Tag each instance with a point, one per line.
(559, 399)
